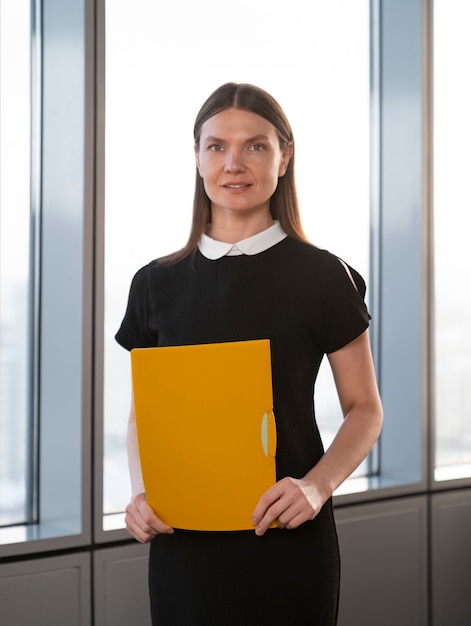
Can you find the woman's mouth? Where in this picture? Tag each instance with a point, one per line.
(236, 185)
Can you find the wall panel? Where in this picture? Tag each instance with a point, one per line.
(120, 577)
(451, 558)
(53, 591)
(383, 550)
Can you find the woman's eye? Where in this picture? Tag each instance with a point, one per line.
(257, 147)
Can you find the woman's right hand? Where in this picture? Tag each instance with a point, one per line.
(141, 521)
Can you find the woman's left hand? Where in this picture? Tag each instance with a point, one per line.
(290, 502)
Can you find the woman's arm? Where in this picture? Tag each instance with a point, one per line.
(294, 501)
(141, 521)
(137, 484)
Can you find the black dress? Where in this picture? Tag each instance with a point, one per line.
(301, 298)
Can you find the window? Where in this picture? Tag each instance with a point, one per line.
(159, 69)
(15, 262)
(60, 370)
(452, 199)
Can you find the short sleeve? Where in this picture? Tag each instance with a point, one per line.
(343, 312)
(134, 330)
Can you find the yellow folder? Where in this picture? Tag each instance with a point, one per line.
(206, 431)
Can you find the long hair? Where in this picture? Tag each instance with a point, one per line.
(284, 202)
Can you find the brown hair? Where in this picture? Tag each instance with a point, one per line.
(284, 202)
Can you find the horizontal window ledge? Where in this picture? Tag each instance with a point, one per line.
(31, 538)
(370, 488)
(453, 472)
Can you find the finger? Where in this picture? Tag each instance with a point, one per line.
(297, 520)
(273, 503)
(292, 518)
(267, 500)
(300, 511)
(136, 525)
(148, 516)
(144, 522)
(271, 516)
(154, 523)
(289, 511)
(136, 531)
(266, 522)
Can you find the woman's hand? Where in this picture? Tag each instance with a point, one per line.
(290, 502)
(141, 521)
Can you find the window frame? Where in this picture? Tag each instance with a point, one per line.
(400, 221)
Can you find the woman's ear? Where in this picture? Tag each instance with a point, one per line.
(287, 154)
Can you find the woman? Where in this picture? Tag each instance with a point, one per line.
(247, 272)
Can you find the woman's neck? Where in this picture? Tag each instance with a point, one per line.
(235, 227)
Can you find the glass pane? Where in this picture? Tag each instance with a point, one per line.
(452, 202)
(313, 58)
(15, 34)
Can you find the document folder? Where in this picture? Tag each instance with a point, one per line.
(206, 431)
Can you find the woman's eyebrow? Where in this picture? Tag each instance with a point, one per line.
(258, 138)
(214, 139)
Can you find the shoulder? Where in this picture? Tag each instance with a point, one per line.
(144, 279)
(143, 274)
(159, 268)
(309, 253)
(328, 267)
(302, 251)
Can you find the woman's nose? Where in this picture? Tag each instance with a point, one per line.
(234, 162)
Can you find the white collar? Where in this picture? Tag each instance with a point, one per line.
(213, 249)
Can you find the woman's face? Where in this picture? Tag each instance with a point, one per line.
(240, 161)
